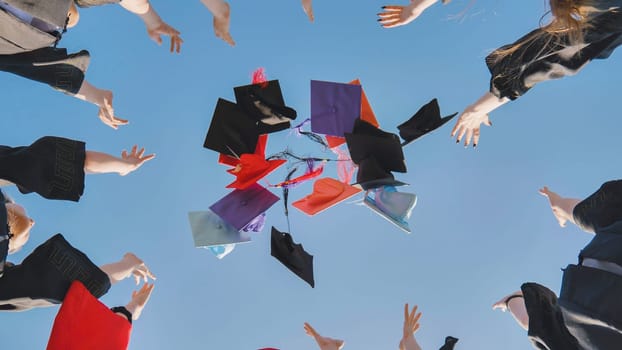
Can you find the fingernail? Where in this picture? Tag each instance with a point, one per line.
(457, 141)
(383, 7)
(378, 20)
(474, 145)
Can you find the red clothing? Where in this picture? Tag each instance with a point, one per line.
(83, 322)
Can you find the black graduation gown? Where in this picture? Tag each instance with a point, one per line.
(552, 56)
(44, 277)
(31, 53)
(52, 166)
(588, 313)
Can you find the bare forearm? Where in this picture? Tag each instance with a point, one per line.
(423, 4)
(567, 205)
(102, 163)
(218, 8)
(144, 10)
(488, 103)
(517, 308)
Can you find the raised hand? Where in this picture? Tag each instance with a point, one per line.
(468, 126)
(137, 268)
(396, 15)
(134, 160)
(139, 300)
(562, 207)
(162, 28)
(106, 111)
(325, 343)
(411, 325)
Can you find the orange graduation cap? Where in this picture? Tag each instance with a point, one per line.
(326, 193)
(367, 114)
(252, 168)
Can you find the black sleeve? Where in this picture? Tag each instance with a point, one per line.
(51, 66)
(546, 323)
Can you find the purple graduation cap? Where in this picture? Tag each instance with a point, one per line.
(240, 207)
(334, 107)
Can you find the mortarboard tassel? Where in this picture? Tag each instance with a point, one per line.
(257, 224)
(286, 196)
(259, 77)
(310, 135)
(345, 166)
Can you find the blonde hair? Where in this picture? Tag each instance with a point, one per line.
(570, 19)
(19, 225)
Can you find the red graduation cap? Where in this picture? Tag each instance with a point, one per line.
(252, 168)
(260, 149)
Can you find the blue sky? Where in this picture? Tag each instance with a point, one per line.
(480, 228)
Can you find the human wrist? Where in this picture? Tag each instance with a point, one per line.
(151, 18)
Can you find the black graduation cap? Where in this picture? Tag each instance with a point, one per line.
(450, 342)
(231, 132)
(427, 119)
(46, 275)
(292, 255)
(368, 141)
(372, 175)
(4, 233)
(265, 101)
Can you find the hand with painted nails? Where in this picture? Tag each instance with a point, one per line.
(397, 15)
(308, 8)
(467, 127)
(325, 343)
(562, 207)
(411, 325)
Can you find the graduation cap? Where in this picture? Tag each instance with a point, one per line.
(231, 132)
(208, 229)
(240, 207)
(450, 341)
(83, 322)
(4, 233)
(334, 107)
(427, 119)
(326, 193)
(292, 255)
(260, 149)
(252, 168)
(263, 102)
(368, 141)
(367, 114)
(392, 205)
(372, 175)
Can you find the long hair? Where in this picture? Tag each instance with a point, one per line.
(568, 24)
